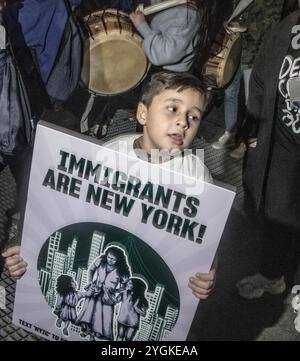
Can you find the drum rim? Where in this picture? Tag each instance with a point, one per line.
(215, 76)
(109, 11)
(113, 33)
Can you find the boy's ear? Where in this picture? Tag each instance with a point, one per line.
(141, 113)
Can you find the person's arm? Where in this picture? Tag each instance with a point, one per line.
(119, 296)
(203, 283)
(139, 310)
(58, 305)
(81, 295)
(14, 264)
(93, 268)
(171, 44)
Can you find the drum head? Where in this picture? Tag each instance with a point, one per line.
(113, 63)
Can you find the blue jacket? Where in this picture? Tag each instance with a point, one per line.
(124, 5)
(39, 24)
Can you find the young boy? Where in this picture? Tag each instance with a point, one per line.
(171, 108)
(170, 111)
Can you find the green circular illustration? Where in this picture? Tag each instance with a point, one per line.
(103, 282)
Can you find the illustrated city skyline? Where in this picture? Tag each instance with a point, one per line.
(153, 326)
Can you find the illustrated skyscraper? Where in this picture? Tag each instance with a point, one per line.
(97, 243)
(52, 248)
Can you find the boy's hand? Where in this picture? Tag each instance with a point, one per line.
(14, 263)
(137, 17)
(203, 283)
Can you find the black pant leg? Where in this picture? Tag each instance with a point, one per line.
(277, 244)
(20, 168)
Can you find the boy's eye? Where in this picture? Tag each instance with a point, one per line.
(194, 118)
(172, 109)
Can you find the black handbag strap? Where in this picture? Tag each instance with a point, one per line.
(67, 30)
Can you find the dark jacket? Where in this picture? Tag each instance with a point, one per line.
(261, 107)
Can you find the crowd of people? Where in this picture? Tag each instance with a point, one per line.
(171, 102)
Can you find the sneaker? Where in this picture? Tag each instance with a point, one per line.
(98, 131)
(296, 304)
(255, 286)
(226, 140)
(104, 131)
(297, 322)
(239, 152)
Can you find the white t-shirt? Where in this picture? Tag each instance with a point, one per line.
(189, 165)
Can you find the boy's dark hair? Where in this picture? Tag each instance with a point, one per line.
(170, 80)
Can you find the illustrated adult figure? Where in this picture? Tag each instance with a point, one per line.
(107, 274)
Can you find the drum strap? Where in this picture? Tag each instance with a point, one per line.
(64, 39)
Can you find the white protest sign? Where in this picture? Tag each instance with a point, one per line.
(109, 252)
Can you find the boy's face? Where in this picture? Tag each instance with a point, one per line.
(172, 120)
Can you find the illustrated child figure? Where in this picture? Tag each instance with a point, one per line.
(170, 111)
(133, 306)
(66, 301)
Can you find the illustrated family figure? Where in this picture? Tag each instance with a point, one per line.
(109, 283)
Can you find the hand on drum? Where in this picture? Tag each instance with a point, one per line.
(234, 27)
(137, 18)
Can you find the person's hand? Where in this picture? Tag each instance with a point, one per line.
(14, 263)
(203, 283)
(234, 27)
(137, 18)
(252, 145)
(227, 28)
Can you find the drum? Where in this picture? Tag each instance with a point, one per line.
(113, 60)
(224, 60)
